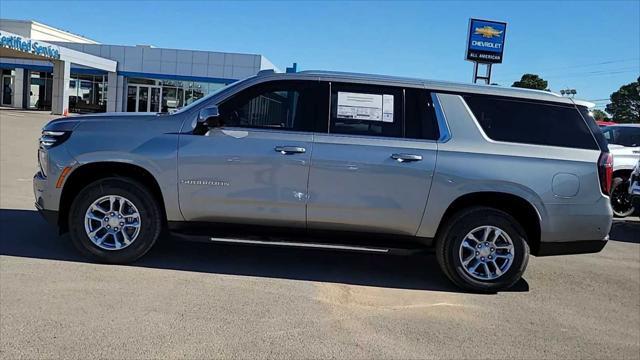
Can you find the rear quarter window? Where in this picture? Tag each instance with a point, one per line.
(531, 122)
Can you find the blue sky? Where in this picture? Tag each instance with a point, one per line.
(591, 46)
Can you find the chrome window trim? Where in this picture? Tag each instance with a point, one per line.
(443, 126)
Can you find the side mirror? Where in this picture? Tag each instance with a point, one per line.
(209, 117)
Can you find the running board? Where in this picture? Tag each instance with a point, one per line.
(301, 244)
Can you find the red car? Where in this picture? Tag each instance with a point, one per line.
(605, 123)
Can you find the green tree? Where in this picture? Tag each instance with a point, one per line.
(625, 103)
(600, 115)
(531, 81)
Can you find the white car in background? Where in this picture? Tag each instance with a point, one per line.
(634, 187)
(624, 145)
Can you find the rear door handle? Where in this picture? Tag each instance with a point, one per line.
(406, 157)
(288, 150)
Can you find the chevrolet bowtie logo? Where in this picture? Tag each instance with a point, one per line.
(488, 32)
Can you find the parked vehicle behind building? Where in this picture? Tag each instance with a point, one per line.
(485, 175)
(624, 144)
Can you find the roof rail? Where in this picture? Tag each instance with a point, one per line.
(266, 72)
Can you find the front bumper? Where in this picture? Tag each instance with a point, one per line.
(40, 193)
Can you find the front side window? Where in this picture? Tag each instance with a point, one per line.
(366, 110)
(283, 105)
(531, 122)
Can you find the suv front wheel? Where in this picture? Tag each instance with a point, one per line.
(114, 220)
(482, 249)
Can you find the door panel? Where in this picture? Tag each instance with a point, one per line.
(254, 168)
(356, 184)
(236, 175)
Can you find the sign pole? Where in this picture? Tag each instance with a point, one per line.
(486, 77)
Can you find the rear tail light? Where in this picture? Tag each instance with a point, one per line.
(605, 172)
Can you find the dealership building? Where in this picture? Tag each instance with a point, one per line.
(44, 68)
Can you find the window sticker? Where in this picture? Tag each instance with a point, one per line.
(370, 107)
(387, 108)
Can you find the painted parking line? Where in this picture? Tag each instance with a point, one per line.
(11, 113)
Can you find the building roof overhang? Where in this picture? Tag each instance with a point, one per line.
(15, 46)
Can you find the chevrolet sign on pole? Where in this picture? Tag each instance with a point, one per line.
(485, 43)
(485, 46)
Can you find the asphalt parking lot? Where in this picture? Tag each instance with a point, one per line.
(188, 300)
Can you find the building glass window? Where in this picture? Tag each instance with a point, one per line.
(88, 93)
(7, 88)
(40, 90)
(174, 94)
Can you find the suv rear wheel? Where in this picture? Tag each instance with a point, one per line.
(114, 220)
(482, 249)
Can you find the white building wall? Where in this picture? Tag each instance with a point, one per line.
(265, 64)
(112, 83)
(38, 31)
(18, 87)
(60, 92)
(18, 27)
(120, 94)
(175, 62)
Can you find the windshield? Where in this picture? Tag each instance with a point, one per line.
(622, 135)
(205, 98)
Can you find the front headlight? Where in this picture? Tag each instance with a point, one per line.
(50, 138)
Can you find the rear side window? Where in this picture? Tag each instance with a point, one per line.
(420, 118)
(595, 129)
(366, 110)
(531, 122)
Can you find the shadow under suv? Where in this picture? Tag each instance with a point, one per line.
(484, 175)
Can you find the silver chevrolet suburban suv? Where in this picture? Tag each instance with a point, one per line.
(483, 175)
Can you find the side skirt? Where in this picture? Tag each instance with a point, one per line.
(298, 238)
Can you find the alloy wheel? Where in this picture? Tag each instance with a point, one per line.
(486, 253)
(112, 222)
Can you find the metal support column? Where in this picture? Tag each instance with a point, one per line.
(487, 75)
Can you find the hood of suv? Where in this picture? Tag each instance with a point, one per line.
(71, 122)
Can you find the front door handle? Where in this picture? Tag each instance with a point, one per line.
(288, 150)
(406, 157)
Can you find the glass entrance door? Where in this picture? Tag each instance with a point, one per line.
(7, 90)
(143, 98)
(154, 99)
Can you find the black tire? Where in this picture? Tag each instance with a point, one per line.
(451, 236)
(620, 198)
(136, 193)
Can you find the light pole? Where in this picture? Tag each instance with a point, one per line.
(568, 92)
